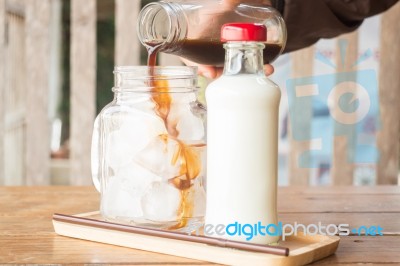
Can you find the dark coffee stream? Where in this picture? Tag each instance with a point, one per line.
(188, 157)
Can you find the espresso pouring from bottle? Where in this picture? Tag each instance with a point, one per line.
(191, 29)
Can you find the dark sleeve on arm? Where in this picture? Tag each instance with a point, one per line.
(308, 21)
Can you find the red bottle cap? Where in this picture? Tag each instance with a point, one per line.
(243, 32)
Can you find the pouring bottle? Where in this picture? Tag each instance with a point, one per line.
(191, 28)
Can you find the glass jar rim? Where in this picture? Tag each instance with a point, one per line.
(160, 72)
(180, 79)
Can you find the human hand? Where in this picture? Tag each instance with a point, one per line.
(213, 72)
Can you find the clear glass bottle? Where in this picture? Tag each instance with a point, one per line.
(242, 138)
(191, 28)
(148, 149)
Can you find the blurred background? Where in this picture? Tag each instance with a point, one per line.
(56, 63)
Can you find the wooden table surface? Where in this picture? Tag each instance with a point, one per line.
(27, 236)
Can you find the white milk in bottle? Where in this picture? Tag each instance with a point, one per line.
(242, 139)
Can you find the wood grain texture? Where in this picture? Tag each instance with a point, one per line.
(15, 95)
(389, 98)
(27, 236)
(83, 88)
(344, 146)
(37, 45)
(356, 250)
(127, 45)
(302, 66)
(16, 7)
(2, 85)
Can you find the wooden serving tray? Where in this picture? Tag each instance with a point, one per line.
(303, 249)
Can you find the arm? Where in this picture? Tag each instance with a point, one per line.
(308, 21)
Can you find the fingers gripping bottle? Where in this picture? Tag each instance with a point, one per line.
(242, 140)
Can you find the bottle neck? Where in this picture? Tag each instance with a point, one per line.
(244, 58)
(161, 25)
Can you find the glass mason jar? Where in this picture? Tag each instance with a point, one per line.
(148, 148)
(192, 28)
